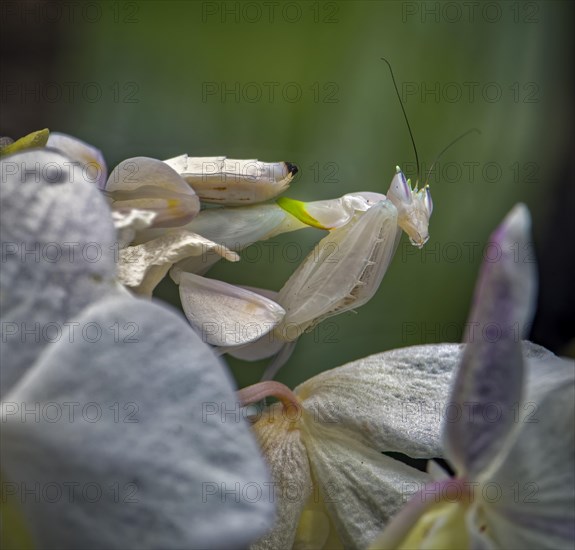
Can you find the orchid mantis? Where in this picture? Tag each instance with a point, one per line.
(156, 208)
(343, 271)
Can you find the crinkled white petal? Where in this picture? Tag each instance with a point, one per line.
(128, 222)
(131, 429)
(91, 160)
(391, 401)
(490, 378)
(143, 266)
(224, 314)
(282, 448)
(57, 254)
(362, 487)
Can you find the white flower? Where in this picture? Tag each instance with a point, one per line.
(512, 443)
(324, 442)
(104, 440)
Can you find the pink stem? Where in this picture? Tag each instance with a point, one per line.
(255, 393)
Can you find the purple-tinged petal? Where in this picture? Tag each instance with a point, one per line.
(490, 379)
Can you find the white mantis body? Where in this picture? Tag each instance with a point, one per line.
(347, 266)
(343, 271)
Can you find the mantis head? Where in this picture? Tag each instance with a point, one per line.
(413, 208)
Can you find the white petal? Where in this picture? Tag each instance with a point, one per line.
(149, 184)
(143, 266)
(391, 401)
(91, 159)
(265, 347)
(224, 314)
(232, 181)
(537, 477)
(147, 432)
(286, 455)
(490, 378)
(57, 254)
(362, 487)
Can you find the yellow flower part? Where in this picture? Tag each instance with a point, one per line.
(35, 139)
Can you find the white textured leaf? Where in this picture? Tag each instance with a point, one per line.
(131, 429)
(57, 254)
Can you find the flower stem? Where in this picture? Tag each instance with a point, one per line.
(257, 392)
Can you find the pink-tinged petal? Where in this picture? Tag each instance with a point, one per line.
(490, 379)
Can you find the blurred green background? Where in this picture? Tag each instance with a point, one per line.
(303, 82)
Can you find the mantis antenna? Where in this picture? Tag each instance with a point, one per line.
(447, 147)
(404, 115)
